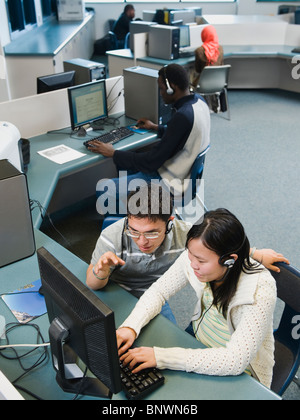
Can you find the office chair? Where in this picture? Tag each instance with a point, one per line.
(195, 177)
(213, 81)
(127, 41)
(183, 200)
(109, 220)
(116, 44)
(287, 336)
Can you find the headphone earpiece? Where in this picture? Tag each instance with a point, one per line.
(228, 263)
(169, 226)
(226, 260)
(170, 91)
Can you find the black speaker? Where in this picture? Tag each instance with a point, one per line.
(16, 230)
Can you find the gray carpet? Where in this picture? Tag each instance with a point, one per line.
(252, 169)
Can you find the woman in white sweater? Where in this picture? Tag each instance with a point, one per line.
(234, 314)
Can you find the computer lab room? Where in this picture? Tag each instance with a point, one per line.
(186, 113)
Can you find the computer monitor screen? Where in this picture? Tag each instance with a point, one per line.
(55, 81)
(184, 40)
(82, 331)
(87, 103)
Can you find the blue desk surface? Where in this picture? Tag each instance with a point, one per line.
(178, 385)
(46, 40)
(127, 53)
(281, 51)
(43, 174)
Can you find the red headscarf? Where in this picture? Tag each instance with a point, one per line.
(210, 43)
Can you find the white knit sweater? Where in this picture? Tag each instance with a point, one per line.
(249, 318)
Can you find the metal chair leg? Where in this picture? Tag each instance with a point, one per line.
(297, 381)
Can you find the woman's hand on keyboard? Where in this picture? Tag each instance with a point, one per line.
(125, 339)
(104, 149)
(139, 358)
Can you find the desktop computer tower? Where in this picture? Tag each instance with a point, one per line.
(16, 230)
(164, 42)
(142, 96)
(70, 10)
(137, 27)
(183, 17)
(85, 71)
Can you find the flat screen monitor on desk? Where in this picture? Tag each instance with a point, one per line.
(55, 81)
(184, 40)
(87, 104)
(82, 327)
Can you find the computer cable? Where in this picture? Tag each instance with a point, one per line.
(35, 204)
(43, 357)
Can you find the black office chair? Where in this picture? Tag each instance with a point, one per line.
(287, 336)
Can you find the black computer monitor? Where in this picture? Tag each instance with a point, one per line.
(87, 103)
(184, 40)
(55, 81)
(82, 331)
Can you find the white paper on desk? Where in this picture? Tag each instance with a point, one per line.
(61, 154)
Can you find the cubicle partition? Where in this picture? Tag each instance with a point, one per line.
(259, 49)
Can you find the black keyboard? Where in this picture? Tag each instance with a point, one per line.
(186, 52)
(137, 385)
(112, 137)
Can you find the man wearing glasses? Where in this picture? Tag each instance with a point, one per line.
(137, 250)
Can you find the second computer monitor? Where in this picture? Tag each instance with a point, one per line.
(55, 81)
(184, 40)
(87, 103)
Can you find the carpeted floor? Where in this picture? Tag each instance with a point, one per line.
(252, 169)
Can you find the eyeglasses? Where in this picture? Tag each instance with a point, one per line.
(136, 235)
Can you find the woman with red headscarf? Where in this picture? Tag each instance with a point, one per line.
(209, 54)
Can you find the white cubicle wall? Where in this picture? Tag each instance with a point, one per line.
(4, 91)
(249, 30)
(35, 115)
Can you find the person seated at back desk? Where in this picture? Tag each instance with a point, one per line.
(209, 54)
(186, 135)
(121, 26)
(137, 250)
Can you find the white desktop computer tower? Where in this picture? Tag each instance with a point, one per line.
(142, 96)
(70, 10)
(85, 70)
(138, 27)
(164, 42)
(17, 238)
(184, 17)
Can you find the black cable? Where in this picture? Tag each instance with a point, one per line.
(40, 360)
(35, 204)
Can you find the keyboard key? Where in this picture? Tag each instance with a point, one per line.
(137, 386)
